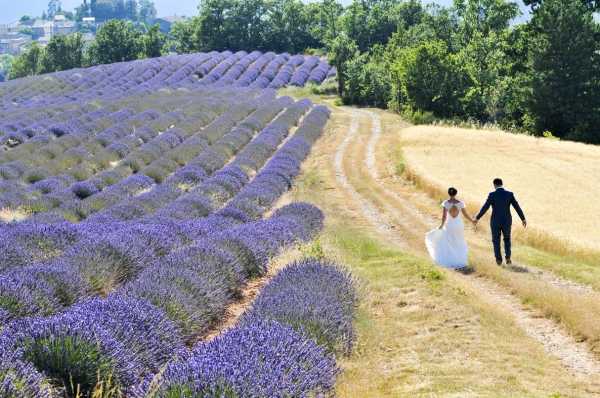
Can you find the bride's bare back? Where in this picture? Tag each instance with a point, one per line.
(454, 208)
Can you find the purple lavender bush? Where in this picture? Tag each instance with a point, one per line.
(262, 359)
(315, 298)
(72, 354)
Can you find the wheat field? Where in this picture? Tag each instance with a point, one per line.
(557, 183)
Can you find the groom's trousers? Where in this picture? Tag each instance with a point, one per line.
(501, 231)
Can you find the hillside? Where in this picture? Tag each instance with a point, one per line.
(142, 235)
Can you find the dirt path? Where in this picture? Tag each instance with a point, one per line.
(366, 208)
(249, 293)
(397, 218)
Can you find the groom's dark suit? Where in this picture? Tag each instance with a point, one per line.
(501, 223)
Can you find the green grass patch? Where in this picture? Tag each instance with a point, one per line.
(567, 267)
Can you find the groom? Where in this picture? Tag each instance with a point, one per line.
(500, 200)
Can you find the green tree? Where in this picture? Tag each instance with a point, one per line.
(590, 4)
(429, 78)
(54, 6)
(181, 37)
(370, 22)
(437, 24)
(288, 28)
(28, 63)
(324, 19)
(483, 17)
(6, 61)
(341, 50)
(213, 28)
(116, 41)
(482, 39)
(147, 11)
(62, 53)
(368, 80)
(152, 42)
(565, 75)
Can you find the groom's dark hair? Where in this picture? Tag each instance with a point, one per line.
(498, 182)
(452, 191)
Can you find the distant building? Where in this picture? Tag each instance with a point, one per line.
(166, 23)
(9, 28)
(63, 27)
(41, 28)
(13, 44)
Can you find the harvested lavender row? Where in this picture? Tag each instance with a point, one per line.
(282, 347)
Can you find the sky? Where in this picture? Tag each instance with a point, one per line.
(11, 10)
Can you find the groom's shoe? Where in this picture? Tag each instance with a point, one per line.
(508, 261)
(499, 262)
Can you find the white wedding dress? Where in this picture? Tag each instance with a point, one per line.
(448, 246)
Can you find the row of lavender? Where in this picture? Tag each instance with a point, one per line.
(189, 192)
(240, 69)
(116, 343)
(146, 319)
(282, 347)
(177, 158)
(105, 132)
(95, 144)
(106, 251)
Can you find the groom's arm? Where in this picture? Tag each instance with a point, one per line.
(515, 204)
(485, 207)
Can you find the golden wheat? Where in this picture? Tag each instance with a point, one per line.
(556, 182)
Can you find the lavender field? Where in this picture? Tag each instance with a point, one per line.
(137, 200)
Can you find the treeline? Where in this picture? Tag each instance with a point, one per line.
(104, 10)
(468, 62)
(116, 41)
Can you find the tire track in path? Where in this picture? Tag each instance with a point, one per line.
(382, 225)
(575, 356)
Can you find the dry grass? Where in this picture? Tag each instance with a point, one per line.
(554, 180)
(11, 215)
(422, 332)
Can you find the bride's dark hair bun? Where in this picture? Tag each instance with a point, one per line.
(452, 191)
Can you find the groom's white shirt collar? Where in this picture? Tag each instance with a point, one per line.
(500, 187)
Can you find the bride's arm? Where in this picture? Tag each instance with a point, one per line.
(467, 216)
(444, 216)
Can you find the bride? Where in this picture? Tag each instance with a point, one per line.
(447, 245)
